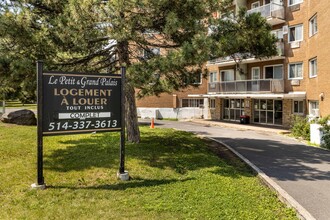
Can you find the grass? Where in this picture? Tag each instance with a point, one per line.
(168, 119)
(174, 176)
(18, 104)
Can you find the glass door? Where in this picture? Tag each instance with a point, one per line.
(268, 111)
(233, 109)
(255, 78)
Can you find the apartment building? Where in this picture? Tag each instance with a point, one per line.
(295, 82)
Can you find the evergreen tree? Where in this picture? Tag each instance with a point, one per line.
(162, 43)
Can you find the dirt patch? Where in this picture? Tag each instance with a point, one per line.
(227, 155)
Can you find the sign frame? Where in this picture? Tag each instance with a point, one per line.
(41, 118)
(71, 106)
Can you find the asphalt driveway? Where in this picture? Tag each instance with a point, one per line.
(301, 171)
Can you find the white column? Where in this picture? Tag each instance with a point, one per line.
(206, 110)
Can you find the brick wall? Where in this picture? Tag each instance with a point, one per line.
(287, 112)
(172, 100)
(311, 47)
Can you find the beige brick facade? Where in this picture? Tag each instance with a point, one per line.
(296, 94)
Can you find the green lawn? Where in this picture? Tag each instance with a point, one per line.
(174, 176)
(18, 104)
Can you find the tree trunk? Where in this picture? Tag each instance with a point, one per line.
(132, 126)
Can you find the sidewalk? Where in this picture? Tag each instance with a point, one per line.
(252, 127)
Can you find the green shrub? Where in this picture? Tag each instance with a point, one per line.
(326, 132)
(300, 127)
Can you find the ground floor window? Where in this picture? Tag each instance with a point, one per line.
(314, 108)
(298, 107)
(233, 109)
(268, 111)
(195, 103)
(212, 103)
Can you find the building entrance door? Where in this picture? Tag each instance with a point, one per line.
(267, 111)
(233, 109)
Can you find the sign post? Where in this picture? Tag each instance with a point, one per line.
(123, 175)
(40, 178)
(75, 103)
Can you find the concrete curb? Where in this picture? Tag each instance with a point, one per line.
(281, 193)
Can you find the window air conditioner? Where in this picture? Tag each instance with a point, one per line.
(285, 29)
(295, 44)
(295, 82)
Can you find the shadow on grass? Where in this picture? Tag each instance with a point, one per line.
(93, 151)
(136, 183)
(160, 148)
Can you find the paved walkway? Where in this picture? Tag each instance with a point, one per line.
(300, 171)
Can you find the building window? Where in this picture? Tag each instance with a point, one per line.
(294, 2)
(255, 73)
(268, 111)
(313, 67)
(198, 78)
(296, 33)
(213, 77)
(298, 107)
(227, 75)
(194, 79)
(255, 5)
(194, 103)
(314, 108)
(296, 71)
(313, 26)
(212, 103)
(278, 33)
(233, 109)
(274, 72)
(151, 52)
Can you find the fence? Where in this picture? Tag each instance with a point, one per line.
(2, 106)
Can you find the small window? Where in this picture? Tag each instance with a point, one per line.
(313, 26)
(212, 103)
(295, 2)
(313, 67)
(195, 103)
(255, 5)
(198, 79)
(278, 33)
(194, 79)
(213, 77)
(151, 52)
(298, 107)
(296, 33)
(255, 73)
(314, 108)
(296, 71)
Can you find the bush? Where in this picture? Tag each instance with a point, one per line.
(326, 132)
(300, 127)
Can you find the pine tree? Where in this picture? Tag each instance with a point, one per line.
(162, 43)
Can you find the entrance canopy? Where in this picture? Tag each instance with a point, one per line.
(290, 95)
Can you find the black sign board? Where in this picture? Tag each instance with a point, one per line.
(73, 103)
(79, 103)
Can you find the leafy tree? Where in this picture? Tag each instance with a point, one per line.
(95, 35)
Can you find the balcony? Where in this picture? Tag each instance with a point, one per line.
(232, 60)
(273, 12)
(247, 86)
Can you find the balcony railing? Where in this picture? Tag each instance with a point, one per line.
(238, 57)
(271, 10)
(247, 86)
